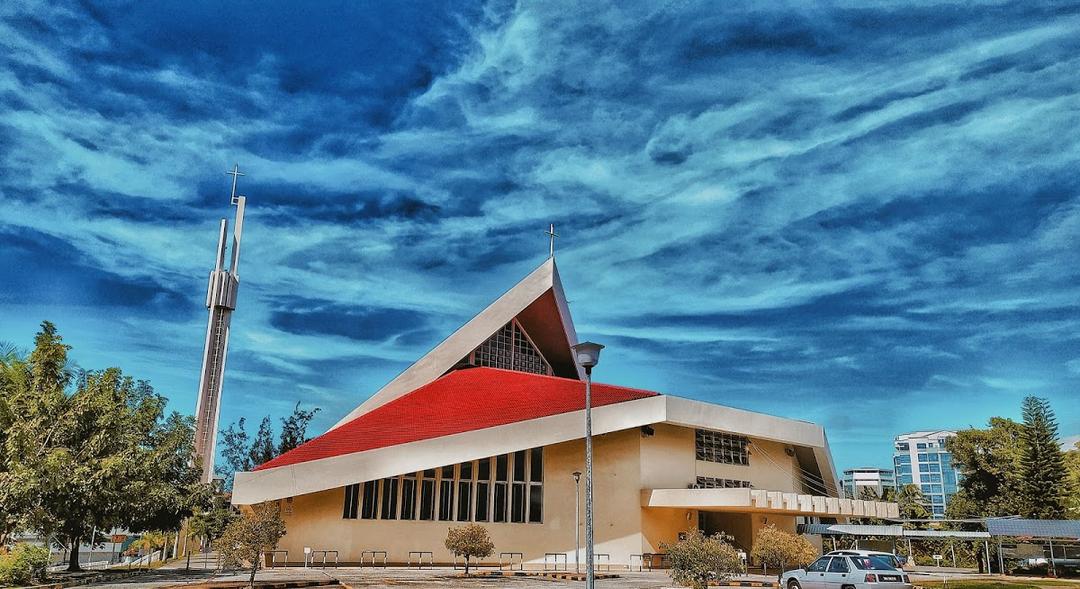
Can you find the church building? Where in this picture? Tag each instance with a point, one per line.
(488, 427)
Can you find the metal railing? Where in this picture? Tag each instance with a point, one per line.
(273, 557)
(554, 556)
(325, 554)
(509, 556)
(373, 554)
(419, 554)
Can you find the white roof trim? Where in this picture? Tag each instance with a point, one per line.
(337, 471)
(451, 350)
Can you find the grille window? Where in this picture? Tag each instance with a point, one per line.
(715, 483)
(722, 448)
(510, 348)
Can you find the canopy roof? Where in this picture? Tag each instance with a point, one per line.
(1034, 528)
(896, 531)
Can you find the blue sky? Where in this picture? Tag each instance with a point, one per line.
(861, 216)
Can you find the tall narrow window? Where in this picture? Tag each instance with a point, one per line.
(446, 494)
(352, 501)
(408, 497)
(517, 497)
(464, 509)
(371, 498)
(389, 498)
(501, 468)
(536, 485)
(427, 495)
(483, 475)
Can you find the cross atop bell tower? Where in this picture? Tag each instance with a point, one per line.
(220, 302)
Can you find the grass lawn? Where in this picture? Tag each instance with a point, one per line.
(1003, 584)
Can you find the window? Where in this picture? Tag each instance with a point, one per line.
(904, 479)
(446, 494)
(871, 563)
(934, 478)
(903, 446)
(501, 467)
(427, 495)
(715, 483)
(512, 349)
(902, 459)
(517, 496)
(932, 456)
(536, 485)
(408, 497)
(819, 565)
(923, 457)
(721, 447)
(389, 498)
(920, 446)
(483, 475)
(464, 509)
(838, 565)
(371, 498)
(933, 467)
(925, 489)
(352, 501)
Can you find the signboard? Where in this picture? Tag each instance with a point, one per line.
(119, 538)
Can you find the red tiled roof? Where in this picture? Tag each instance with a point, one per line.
(462, 401)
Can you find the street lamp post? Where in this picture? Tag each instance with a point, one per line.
(577, 524)
(588, 354)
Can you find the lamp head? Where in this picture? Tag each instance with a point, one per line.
(576, 474)
(587, 354)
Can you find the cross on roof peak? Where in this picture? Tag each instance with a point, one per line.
(551, 240)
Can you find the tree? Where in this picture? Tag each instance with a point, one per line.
(468, 541)
(247, 537)
(242, 453)
(774, 546)
(698, 559)
(989, 461)
(912, 503)
(262, 448)
(1072, 465)
(1045, 480)
(207, 525)
(294, 428)
(92, 452)
(13, 375)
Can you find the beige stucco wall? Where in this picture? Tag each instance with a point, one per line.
(316, 519)
(625, 463)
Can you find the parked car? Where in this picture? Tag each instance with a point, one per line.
(895, 560)
(844, 571)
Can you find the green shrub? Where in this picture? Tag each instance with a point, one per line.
(698, 559)
(24, 563)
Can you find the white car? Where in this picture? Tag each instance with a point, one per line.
(847, 572)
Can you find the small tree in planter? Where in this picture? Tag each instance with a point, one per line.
(469, 541)
(698, 559)
(247, 537)
(778, 548)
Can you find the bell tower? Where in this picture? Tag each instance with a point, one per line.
(221, 302)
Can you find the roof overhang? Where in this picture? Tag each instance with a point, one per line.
(763, 501)
(338, 471)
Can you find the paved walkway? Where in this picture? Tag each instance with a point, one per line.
(393, 577)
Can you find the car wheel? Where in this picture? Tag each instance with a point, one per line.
(793, 584)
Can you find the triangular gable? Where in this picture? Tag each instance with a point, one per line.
(537, 304)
